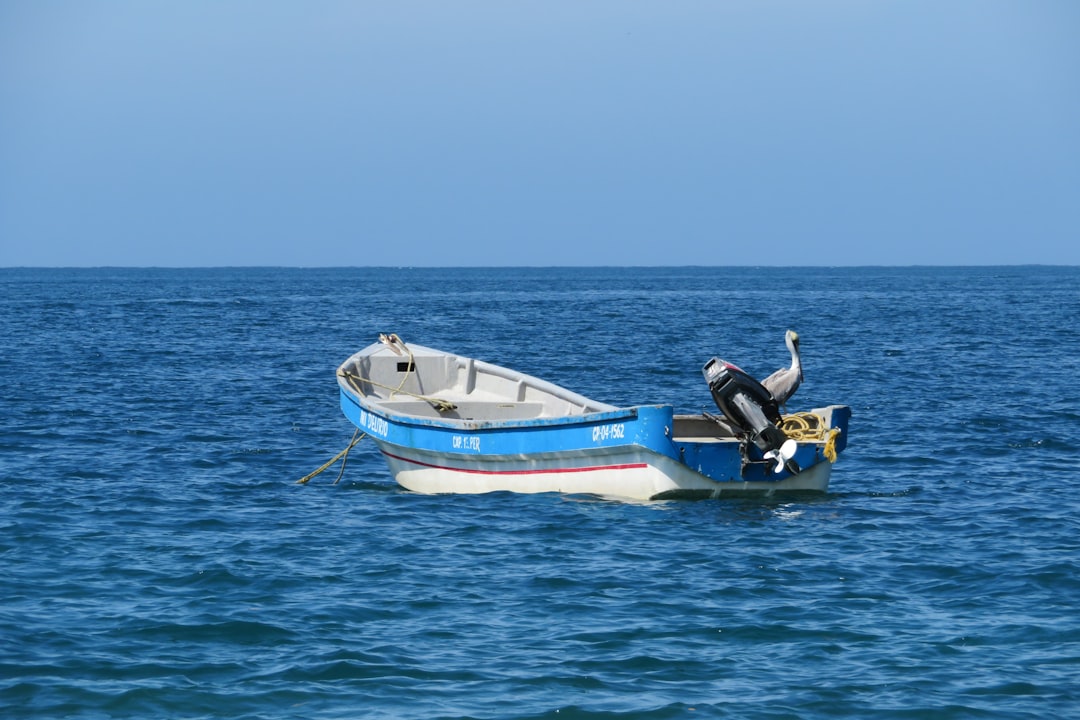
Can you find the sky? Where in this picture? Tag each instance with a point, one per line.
(526, 133)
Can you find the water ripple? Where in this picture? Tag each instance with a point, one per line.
(161, 561)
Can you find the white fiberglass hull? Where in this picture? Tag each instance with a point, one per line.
(634, 474)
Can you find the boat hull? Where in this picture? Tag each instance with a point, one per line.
(629, 453)
(632, 473)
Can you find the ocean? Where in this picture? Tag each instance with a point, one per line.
(161, 561)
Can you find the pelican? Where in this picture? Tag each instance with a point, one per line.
(784, 382)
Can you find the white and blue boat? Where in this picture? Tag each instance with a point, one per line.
(452, 424)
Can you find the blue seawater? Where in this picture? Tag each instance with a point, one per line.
(159, 559)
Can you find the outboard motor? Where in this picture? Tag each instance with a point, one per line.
(751, 408)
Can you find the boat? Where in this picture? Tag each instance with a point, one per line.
(451, 424)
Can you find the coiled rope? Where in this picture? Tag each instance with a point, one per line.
(808, 426)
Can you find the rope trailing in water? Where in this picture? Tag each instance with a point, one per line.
(343, 456)
(807, 426)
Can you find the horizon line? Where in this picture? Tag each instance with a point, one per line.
(757, 266)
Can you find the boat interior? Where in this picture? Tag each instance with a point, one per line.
(702, 428)
(423, 382)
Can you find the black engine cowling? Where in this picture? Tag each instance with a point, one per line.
(748, 405)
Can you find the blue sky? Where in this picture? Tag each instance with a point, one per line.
(606, 132)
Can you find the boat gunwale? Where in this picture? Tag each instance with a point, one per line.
(457, 424)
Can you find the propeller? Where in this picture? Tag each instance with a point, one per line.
(783, 455)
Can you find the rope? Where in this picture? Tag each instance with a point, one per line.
(806, 426)
(343, 456)
(394, 342)
(353, 379)
(830, 445)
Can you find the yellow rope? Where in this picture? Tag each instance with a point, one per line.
(830, 445)
(804, 426)
(343, 456)
(807, 426)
